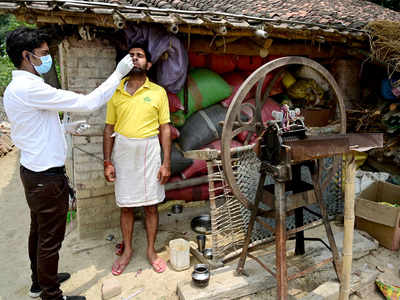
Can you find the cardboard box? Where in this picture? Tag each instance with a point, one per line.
(380, 221)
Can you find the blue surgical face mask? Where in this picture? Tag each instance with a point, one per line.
(46, 64)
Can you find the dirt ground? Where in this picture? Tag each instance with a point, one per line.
(90, 261)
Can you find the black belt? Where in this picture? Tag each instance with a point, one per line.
(51, 171)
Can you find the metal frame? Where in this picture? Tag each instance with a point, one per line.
(284, 171)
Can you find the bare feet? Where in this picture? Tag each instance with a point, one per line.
(121, 262)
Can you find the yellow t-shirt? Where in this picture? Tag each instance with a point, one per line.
(141, 114)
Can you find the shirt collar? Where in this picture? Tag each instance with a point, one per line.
(23, 73)
(146, 84)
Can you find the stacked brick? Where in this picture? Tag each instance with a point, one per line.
(6, 145)
(85, 65)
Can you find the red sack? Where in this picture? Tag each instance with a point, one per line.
(197, 60)
(193, 193)
(266, 115)
(199, 167)
(217, 145)
(243, 135)
(276, 89)
(249, 63)
(266, 111)
(222, 63)
(235, 80)
(174, 103)
(174, 132)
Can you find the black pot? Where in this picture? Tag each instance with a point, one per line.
(201, 224)
(201, 275)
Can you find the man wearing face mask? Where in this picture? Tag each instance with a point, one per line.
(32, 108)
(136, 114)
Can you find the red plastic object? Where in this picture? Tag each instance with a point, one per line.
(194, 193)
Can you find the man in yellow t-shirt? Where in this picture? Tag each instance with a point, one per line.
(137, 121)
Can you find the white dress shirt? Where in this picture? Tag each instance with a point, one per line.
(32, 108)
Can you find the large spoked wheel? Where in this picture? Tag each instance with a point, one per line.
(235, 123)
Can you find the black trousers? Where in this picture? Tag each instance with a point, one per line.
(47, 196)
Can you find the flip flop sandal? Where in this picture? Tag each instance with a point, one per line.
(119, 249)
(159, 265)
(118, 271)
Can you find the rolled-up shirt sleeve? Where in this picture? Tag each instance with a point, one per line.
(43, 96)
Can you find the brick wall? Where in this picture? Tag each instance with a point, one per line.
(84, 66)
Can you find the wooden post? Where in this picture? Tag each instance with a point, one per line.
(280, 237)
(350, 169)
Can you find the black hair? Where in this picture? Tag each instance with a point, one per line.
(23, 38)
(143, 47)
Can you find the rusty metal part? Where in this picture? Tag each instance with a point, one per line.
(317, 147)
(233, 119)
(285, 168)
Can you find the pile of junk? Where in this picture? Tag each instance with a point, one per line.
(201, 87)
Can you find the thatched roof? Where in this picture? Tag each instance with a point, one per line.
(319, 18)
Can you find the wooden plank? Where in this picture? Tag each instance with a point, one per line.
(243, 47)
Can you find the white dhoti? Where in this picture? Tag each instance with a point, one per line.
(137, 162)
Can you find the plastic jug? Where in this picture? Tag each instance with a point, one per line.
(179, 254)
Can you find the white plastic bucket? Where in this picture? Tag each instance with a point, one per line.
(179, 254)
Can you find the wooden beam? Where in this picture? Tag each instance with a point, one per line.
(246, 46)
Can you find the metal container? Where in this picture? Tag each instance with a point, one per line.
(201, 275)
(201, 224)
(207, 253)
(201, 242)
(177, 208)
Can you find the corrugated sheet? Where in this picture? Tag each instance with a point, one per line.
(340, 15)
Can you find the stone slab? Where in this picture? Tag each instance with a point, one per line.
(225, 285)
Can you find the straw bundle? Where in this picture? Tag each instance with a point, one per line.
(385, 42)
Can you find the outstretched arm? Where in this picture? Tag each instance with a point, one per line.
(43, 96)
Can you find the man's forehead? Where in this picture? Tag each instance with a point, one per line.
(136, 50)
(43, 48)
